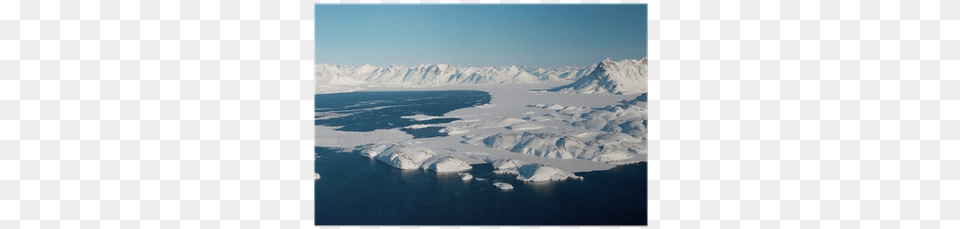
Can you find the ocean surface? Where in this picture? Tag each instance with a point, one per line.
(368, 111)
(356, 190)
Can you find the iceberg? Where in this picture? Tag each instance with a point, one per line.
(405, 156)
(465, 176)
(446, 164)
(541, 172)
(507, 165)
(503, 186)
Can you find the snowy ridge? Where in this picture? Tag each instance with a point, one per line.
(628, 117)
(406, 155)
(610, 148)
(614, 134)
(331, 78)
(627, 76)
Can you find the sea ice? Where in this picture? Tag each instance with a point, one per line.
(417, 126)
(329, 137)
(421, 117)
(465, 176)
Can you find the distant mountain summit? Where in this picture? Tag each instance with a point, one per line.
(627, 76)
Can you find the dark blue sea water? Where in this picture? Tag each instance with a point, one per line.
(368, 111)
(355, 190)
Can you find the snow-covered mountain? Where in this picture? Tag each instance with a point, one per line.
(332, 78)
(627, 76)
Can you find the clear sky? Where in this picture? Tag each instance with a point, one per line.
(480, 35)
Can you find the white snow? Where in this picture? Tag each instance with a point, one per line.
(454, 130)
(538, 118)
(501, 122)
(445, 164)
(503, 186)
(540, 172)
(465, 176)
(627, 76)
(524, 126)
(625, 117)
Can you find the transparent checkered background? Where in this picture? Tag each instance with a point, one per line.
(198, 114)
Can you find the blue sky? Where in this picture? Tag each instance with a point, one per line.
(480, 35)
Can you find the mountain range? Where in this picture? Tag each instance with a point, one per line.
(619, 77)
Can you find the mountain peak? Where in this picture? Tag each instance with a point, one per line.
(625, 77)
(605, 63)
